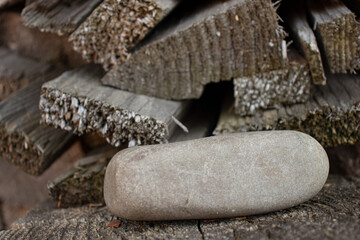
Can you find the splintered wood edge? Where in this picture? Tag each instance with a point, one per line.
(270, 89)
(61, 18)
(338, 34)
(26, 143)
(203, 49)
(77, 102)
(330, 116)
(127, 21)
(294, 16)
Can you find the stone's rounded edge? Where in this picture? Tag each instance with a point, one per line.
(124, 162)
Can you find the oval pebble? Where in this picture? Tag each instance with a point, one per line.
(217, 177)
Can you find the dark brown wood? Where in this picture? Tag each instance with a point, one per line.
(32, 43)
(270, 89)
(78, 102)
(332, 214)
(17, 71)
(294, 16)
(58, 16)
(345, 160)
(23, 141)
(83, 183)
(115, 27)
(338, 32)
(220, 41)
(331, 116)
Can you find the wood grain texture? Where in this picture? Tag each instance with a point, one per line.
(294, 16)
(270, 89)
(224, 40)
(23, 141)
(331, 116)
(58, 16)
(338, 32)
(17, 71)
(115, 27)
(8, 3)
(333, 214)
(78, 102)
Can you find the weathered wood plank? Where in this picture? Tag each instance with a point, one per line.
(115, 27)
(23, 141)
(78, 102)
(294, 16)
(331, 116)
(337, 206)
(345, 160)
(58, 16)
(16, 72)
(32, 43)
(83, 183)
(8, 3)
(270, 89)
(220, 41)
(338, 32)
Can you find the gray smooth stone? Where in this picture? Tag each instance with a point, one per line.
(216, 177)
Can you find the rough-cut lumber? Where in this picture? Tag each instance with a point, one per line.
(58, 16)
(333, 213)
(8, 3)
(338, 32)
(115, 27)
(23, 141)
(294, 16)
(224, 40)
(46, 47)
(331, 116)
(16, 72)
(78, 102)
(345, 160)
(269, 89)
(83, 183)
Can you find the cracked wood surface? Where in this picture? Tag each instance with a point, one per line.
(17, 72)
(78, 102)
(331, 115)
(294, 16)
(115, 27)
(58, 16)
(338, 31)
(332, 214)
(220, 41)
(23, 141)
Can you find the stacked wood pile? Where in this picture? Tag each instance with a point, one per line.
(157, 71)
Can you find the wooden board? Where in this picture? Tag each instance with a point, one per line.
(32, 43)
(338, 32)
(115, 27)
(270, 89)
(334, 213)
(23, 141)
(294, 16)
(220, 40)
(8, 3)
(330, 116)
(16, 72)
(78, 102)
(58, 16)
